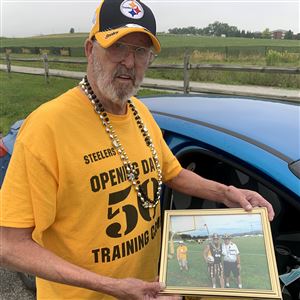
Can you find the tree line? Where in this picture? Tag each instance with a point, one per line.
(223, 29)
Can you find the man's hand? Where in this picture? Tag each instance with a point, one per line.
(20, 252)
(135, 289)
(192, 184)
(235, 197)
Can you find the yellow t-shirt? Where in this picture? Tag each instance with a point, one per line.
(182, 252)
(66, 179)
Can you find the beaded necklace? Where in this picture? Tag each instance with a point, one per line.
(132, 174)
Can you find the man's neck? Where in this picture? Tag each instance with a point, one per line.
(116, 108)
(110, 106)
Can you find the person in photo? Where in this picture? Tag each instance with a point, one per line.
(231, 261)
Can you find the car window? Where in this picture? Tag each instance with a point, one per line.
(235, 173)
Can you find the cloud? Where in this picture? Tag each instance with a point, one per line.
(28, 18)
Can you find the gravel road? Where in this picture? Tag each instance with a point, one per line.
(12, 287)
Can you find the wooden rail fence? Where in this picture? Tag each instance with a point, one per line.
(185, 67)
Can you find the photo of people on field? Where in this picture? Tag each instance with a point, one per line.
(217, 252)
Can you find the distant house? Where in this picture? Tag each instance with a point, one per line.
(257, 34)
(278, 34)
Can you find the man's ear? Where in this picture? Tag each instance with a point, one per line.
(88, 47)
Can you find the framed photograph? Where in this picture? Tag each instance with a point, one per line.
(219, 252)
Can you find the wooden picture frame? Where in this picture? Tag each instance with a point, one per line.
(192, 237)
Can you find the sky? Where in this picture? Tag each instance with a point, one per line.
(221, 224)
(32, 17)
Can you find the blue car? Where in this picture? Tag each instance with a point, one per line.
(246, 142)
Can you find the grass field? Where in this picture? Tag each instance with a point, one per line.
(20, 94)
(254, 266)
(58, 40)
(202, 50)
(167, 41)
(173, 46)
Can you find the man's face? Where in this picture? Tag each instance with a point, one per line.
(216, 241)
(118, 81)
(226, 241)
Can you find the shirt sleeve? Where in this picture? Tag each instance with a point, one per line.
(28, 195)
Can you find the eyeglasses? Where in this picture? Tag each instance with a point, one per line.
(119, 51)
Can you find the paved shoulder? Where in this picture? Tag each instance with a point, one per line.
(177, 85)
(228, 89)
(12, 287)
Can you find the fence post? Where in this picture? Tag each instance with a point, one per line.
(8, 63)
(46, 67)
(186, 77)
(226, 53)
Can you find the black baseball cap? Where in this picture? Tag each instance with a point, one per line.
(226, 236)
(116, 18)
(215, 236)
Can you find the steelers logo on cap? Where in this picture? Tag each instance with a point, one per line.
(132, 9)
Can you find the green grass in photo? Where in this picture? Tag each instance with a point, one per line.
(254, 266)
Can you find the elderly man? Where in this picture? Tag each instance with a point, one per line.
(78, 210)
(231, 261)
